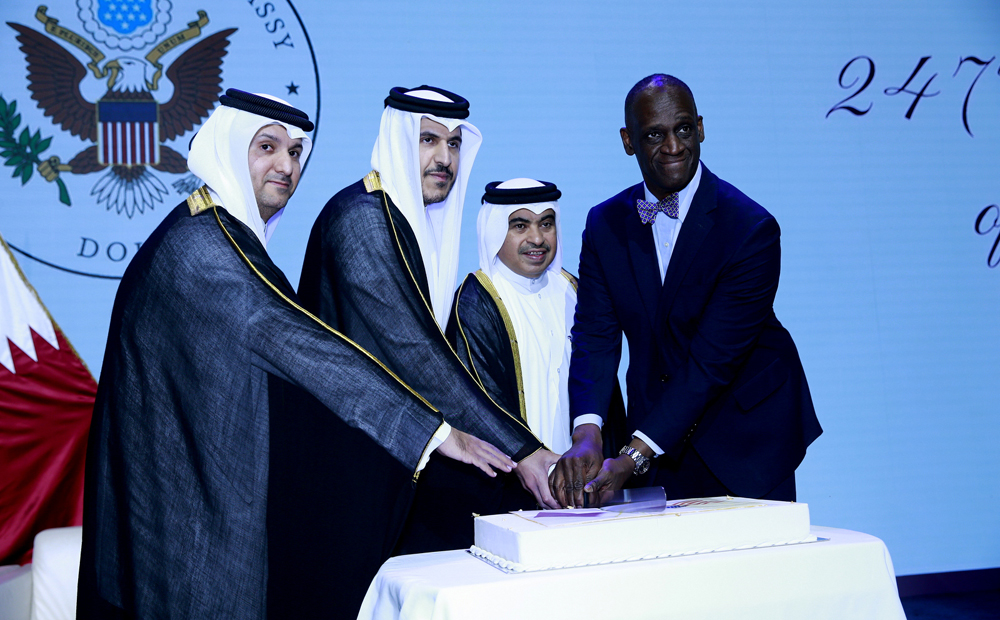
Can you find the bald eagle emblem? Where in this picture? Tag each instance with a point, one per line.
(127, 127)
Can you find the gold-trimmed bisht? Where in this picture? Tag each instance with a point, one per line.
(201, 201)
(373, 183)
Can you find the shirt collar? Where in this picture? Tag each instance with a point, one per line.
(525, 285)
(684, 197)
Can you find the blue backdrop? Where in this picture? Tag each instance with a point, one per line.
(870, 130)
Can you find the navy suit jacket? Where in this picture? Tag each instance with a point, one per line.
(710, 365)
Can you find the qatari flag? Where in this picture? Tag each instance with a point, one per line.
(46, 401)
(128, 132)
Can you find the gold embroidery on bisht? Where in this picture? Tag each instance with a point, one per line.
(569, 277)
(200, 200)
(373, 182)
(509, 326)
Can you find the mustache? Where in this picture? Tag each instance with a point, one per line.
(440, 168)
(279, 177)
(528, 246)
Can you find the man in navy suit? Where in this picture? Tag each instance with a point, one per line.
(686, 266)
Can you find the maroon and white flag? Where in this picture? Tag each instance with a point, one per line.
(46, 401)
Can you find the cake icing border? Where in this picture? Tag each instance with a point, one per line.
(515, 567)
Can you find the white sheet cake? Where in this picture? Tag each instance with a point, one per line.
(547, 539)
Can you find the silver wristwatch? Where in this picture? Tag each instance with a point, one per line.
(641, 461)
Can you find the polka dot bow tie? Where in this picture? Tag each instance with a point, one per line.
(648, 210)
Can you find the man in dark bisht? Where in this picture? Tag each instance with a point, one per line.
(511, 319)
(206, 340)
(381, 266)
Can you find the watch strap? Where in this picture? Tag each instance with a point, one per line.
(641, 460)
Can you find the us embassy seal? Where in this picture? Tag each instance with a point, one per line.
(100, 100)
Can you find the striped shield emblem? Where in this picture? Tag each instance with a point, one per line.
(128, 132)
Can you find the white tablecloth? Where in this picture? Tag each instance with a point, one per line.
(849, 576)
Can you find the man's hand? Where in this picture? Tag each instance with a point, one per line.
(614, 472)
(534, 475)
(578, 466)
(474, 451)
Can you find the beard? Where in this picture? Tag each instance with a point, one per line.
(433, 190)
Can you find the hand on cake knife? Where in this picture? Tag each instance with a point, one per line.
(578, 466)
(533, 472)
(612, 477)
(633, 459)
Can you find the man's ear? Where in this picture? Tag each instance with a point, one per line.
(627, 142)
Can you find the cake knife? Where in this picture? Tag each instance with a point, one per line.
(645, 499)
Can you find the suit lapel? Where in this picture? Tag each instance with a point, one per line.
(696, 225)
(642, 252)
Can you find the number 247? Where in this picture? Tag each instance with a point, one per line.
(905, 88)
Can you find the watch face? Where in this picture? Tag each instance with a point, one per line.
(642, 468)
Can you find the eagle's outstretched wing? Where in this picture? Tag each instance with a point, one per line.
(85, 161)
(197, 78)
(171, 161)
(55, 76)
